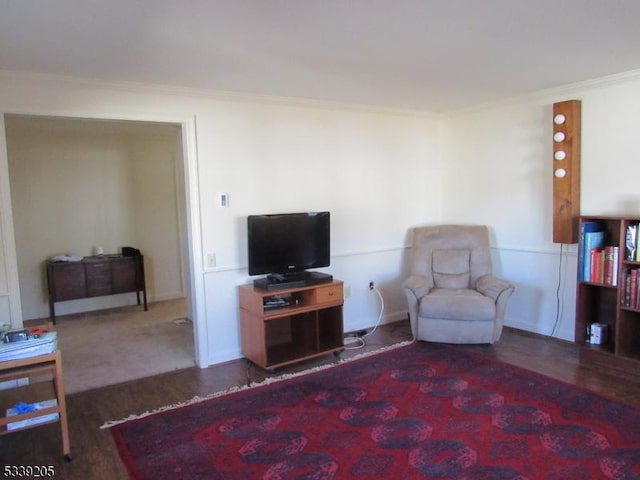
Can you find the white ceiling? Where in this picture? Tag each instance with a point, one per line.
(433, 55)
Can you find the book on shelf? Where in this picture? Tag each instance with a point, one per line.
(625, 299)
(631, 242)
(611, 265)
(631, 289)
(586, 227)
(596, 274)
(592, 241)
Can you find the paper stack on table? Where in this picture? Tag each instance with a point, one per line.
(45, 343)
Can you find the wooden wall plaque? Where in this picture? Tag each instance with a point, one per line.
(566, 171)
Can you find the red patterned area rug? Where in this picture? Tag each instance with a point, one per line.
(417, 411)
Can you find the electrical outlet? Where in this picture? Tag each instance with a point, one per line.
(371, 285)
(347, 291)
(211, 260)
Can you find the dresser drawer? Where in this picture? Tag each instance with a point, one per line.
(98, 278)
(67, 281)
(125, 274)
(328, 294)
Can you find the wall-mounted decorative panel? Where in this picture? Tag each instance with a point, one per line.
(566, 171)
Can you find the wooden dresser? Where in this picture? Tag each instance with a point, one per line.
(95, 277)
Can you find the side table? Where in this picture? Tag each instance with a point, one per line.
(35, 368)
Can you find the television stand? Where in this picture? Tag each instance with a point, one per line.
(282, 281)
(292, 325)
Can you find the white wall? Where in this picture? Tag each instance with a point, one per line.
(77, 185)
(10, 308)
(375, 172)
(157, 213)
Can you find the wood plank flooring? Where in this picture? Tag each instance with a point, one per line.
(95, 455)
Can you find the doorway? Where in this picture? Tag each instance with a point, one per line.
(82, 184)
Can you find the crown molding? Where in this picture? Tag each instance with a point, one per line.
(217, 95)
(550, 94)
(546, 95)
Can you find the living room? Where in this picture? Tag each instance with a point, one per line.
(379, 173)
(380, 170)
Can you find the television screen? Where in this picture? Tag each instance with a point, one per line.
(288, 242)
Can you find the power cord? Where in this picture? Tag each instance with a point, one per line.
(353, 342)
(558, 297)
(375, 327)
(358, 340)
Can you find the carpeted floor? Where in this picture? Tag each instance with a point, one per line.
(417, 411)
(116, 345)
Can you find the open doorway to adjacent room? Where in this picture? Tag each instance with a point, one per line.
(79, 185)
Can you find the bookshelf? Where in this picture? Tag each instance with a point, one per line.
(608, 299)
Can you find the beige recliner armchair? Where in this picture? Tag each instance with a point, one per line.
(453, 296)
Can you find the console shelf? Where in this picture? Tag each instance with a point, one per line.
(282, 327)
(95, 277)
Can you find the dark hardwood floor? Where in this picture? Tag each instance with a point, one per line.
(96, 458)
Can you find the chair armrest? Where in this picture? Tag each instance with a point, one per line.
(491, 286)
(417, 285)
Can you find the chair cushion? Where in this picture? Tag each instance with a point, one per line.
(451, 268)
(457, 304)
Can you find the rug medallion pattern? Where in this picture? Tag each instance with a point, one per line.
(418, 411)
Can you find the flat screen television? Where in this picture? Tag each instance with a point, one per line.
(284, 246)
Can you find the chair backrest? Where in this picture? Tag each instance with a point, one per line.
(451, 256)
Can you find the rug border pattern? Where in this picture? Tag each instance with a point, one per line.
(240, 388)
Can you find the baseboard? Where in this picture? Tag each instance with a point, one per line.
(166, 296)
